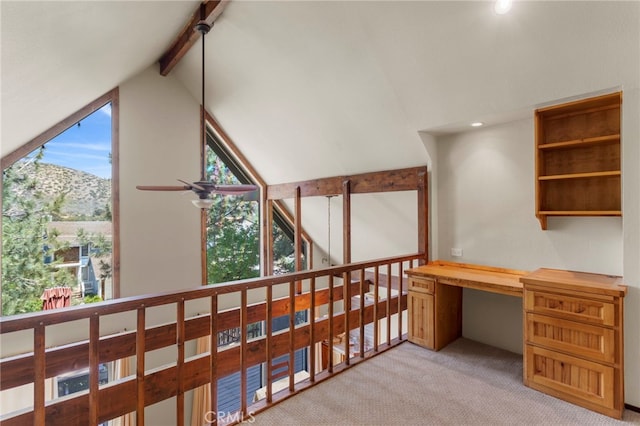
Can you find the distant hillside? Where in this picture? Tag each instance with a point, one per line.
(86, 194)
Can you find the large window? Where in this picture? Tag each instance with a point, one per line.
(233, 253)
(233, 225)
(58, 213)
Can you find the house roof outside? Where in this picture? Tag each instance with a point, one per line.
(69, 230)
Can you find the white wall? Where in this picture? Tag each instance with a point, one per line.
(159, 143)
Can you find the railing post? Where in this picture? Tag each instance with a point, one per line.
(269, 343)
(94, 361)
(399, 301)
(330, 313)
(388, 303)
(346, 299)
(376, 295)
(213, 350)
(292, 334)
(140, 353)
(312, 330)
(243, 351)
(39, 372)
(180, 362)
(361, 313)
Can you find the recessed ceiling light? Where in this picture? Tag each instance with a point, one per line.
(477, 124)
(502, 6)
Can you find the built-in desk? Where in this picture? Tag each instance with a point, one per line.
(435, 297)
(573, 325)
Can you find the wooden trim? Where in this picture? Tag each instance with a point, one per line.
(297, 238)
(346, 222)
(423, 215)
(385, 181)
(268, 233)
(115, 192)
(632, 408)
(187, 36)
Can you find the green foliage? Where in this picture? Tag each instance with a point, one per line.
(26, 244)
(233, 232)
(92, 299)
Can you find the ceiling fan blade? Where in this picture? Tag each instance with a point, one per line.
(233, 189)
(162, 188)
(193, 185)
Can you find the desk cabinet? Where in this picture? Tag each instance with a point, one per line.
(420, 306)
(573, 338)
(434, 312)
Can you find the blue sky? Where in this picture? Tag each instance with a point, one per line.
(85, 147)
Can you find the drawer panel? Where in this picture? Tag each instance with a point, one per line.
(572, 308)
(584, 340)
(569, 376)
(424, 285)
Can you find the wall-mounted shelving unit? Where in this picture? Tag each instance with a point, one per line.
(578, 158)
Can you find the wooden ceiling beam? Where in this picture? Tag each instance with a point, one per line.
(188, 36)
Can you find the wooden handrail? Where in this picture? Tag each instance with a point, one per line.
(133, 394)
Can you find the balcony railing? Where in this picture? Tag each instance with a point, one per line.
(374, 296)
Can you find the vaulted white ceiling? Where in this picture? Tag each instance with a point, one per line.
(57, 56)
(334, 87)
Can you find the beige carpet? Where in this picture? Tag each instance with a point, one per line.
(467, 383)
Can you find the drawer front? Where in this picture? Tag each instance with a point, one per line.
(572, 308)
(572, 377)
(584, 340)
(421, 319)
(424, 285)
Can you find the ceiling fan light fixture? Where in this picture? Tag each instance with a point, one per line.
(203, 203)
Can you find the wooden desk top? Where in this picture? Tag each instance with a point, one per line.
(608, 285)
(479, 277)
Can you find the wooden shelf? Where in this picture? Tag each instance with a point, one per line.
(581, 142)
(581, 212)
(580, 175)
(578, 158)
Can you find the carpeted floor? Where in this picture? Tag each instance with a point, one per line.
(466, 383)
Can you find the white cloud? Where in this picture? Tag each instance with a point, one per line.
(106, 109)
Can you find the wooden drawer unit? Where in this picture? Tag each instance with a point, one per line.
(597, 343)
(573, 308)
(422, 285)
(571, 378)
(573, 335)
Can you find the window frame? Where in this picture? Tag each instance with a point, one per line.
(113, 98)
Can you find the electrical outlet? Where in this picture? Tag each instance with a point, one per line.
(456, 252)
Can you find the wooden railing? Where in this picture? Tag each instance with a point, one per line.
(150, 384)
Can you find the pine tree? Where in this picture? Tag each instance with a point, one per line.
(27, 245)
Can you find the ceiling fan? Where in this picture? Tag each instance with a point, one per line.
(203, 188)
